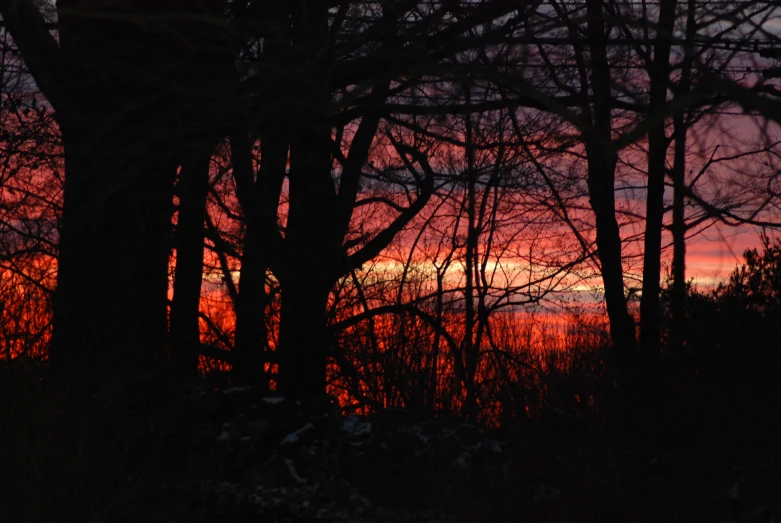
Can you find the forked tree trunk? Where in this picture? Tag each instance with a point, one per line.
(251, 301)
(260, 207)
(126, 122)
(259, 197)
(312, 256)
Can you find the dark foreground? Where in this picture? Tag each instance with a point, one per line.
(664, 449)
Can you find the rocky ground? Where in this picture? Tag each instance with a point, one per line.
(702, 457)
(705, 450)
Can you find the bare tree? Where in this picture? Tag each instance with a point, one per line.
(110, 310)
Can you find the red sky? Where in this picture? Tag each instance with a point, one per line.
(715, 253)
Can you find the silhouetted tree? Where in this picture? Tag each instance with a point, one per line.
(192, 190)
(368, 56)
(614, 108)
(658, 143)
(30, 201)
(126, 81)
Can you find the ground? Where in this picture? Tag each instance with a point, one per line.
(705, 453)
(663, 450)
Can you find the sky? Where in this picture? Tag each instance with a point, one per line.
(713, 255)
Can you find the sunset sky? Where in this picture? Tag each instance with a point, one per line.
(714, 254)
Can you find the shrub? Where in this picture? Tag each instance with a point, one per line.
(739, 322)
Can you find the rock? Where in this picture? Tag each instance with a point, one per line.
(445, 451)
(385, 421)
(235, 434)
(307, 460)
(230, 463)
(279, 471)
(205, 439)
(281, 411)
(245, 449)
(406, 443)
(262, 474)
(258, 428)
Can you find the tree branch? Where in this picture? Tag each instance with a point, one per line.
(379, 242)
(38, 48)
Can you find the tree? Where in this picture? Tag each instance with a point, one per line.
(126, 81)
(192, 189)
(370, 56)
(584, 73)
(658, 143)
(30, 200)
(626, 58)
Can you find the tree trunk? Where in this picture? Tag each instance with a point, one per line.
(126, 123)
(309, 267)
(260, 208)
(469, 349)
(110, 308)
(251, 335)
(313, 244)
(602, 199)
(192, 189)
(678, 294)
(602, 159)
(279, 102)
(650, 313)
(312, 251)
(680, 128)
(302, 337)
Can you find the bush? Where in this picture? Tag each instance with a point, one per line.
(739, 322)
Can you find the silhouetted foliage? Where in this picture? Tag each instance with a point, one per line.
(737, 325)
(755, 286)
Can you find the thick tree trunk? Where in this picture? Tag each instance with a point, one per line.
(313, 250)
(110, 308)
(126, 121)
(650, 312)
(259, 199)
(302, 337)
(309, 267)
(192, 189)
(251, 334)
(313, 239)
